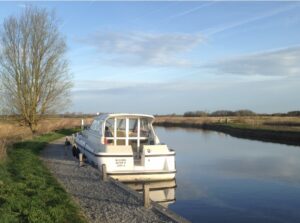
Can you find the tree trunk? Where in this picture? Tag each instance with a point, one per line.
(33, 127)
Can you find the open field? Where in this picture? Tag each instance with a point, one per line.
(267, 128)
(28, 192)
(11, 131)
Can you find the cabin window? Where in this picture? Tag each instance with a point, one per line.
(133, 127)
(133, 131)
(109, 127)
(95, 126)
(121, 127)
(121, 142)
(109, 130)
(144, 128)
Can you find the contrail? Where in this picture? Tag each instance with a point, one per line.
(213, 31)
(191, 10)
(154, 11)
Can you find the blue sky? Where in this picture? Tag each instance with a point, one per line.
(172, 57)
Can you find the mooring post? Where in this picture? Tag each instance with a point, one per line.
(82, 124)
(80, 159)
(146, 188)
(67, 143)
(104, 172)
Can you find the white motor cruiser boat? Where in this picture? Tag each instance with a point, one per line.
(128, 146)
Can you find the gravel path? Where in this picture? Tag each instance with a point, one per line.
(100, 201)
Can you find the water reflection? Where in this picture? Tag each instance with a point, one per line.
(221, 178)
(162, 192)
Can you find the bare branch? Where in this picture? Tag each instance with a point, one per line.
(34, 73)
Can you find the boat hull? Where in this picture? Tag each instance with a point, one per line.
(154, 165)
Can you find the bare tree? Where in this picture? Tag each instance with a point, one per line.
(33, 69)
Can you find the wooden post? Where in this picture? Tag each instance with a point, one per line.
(67, 143)
(80, 159)
(82, 124)
(104, 172)
(146, 196)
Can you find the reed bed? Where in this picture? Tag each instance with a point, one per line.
(259, 122)
(13, 131)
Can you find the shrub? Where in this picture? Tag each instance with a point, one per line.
(244, 112)
(195, 114)
(293, 113)
(222, 113)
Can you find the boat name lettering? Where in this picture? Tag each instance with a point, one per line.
(120, 162)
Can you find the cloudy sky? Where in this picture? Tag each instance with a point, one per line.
(172, 57)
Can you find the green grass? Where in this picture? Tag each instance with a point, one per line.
(28, 191)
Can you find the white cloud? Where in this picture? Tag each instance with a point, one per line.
(282, 62)
(150, 49)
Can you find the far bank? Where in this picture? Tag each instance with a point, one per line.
(285, 130)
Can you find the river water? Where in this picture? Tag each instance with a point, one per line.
(226, 179)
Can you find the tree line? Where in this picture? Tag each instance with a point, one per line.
(243, 112)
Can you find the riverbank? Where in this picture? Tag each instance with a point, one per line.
(100, 201)
(285, 130)
(55, 189)
(13, 130)
(28, 191)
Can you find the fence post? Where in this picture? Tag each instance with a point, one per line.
(146, 196)
(104, 172)
(80, 159)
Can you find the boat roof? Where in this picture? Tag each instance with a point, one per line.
(113, 115)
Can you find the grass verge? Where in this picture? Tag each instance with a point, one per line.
(28, 191)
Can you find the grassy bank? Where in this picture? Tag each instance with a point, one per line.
(28, 192)
(284, 130)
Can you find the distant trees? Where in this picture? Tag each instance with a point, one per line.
(244, 112)
(293, 113)
(222, 113)
(195, 114)
(34, 73)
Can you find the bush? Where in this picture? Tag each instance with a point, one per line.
(244, 112)
(223, 113)
(195, 114)
(293, 113)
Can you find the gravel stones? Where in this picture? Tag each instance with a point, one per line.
(100, 201)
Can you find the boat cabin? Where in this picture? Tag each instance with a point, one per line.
(126, 130)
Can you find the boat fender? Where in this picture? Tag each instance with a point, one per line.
(75, 152)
